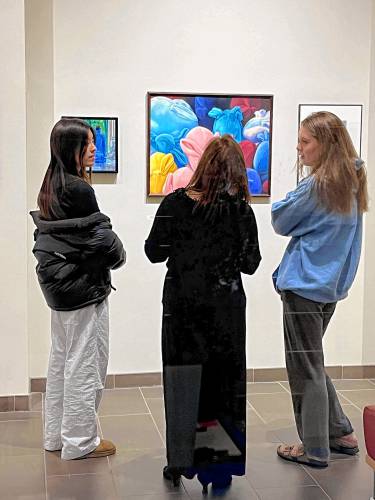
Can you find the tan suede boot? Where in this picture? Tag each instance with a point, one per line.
(103, 449)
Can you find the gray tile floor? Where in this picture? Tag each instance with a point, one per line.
(134, 420)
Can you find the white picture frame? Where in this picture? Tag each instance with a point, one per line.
(350, 114)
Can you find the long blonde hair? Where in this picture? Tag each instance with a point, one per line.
(339, 172)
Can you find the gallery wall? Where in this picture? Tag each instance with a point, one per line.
(369, 280)
(108, 55)
(39, 120)
(13, 249)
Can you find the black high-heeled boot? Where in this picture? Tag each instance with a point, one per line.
(218, 484)
(172, 474)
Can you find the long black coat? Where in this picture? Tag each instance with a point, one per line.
(203, 328)
(75, 257)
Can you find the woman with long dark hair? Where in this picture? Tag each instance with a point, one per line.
(323, 217)
(76, 249)
(208, 234)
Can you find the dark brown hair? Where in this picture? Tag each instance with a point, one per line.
(68, 142)
(220, 172)
(339, 171)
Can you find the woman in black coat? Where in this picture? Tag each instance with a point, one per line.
(208, 234)
(76, 249)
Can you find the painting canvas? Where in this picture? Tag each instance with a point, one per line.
(181, 125)
(106, 131)
(350, 114)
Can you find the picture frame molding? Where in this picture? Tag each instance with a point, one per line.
(116, 120)
(324, 108)
(338, 105)
(149, 94)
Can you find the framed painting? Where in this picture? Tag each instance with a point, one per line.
(179, 127)
(106, 132)
(349, 114)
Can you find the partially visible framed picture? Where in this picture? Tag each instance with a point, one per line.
(179, 127)
(350, 114)
(106, 132)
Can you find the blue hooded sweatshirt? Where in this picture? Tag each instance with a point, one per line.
(322, 257)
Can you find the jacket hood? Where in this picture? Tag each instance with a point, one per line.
(78, 224)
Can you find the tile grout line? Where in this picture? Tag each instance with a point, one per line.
(160, 397)
(15, 420)
(285, 389)
(152, 417)
(134, 387)
(257, 494)
(108, 463)
(265, 393)
(351, 402)
(122, 415)
(315, 481)
(101, 436)
(184, 488)
(356, 390)
(256, 412)
(44, 453)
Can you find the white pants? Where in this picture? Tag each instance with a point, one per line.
(76, 376)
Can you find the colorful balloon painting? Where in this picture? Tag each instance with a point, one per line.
(181, 125)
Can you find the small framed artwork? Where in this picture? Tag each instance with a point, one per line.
(349, 114)
(106, 132)
(179, 127)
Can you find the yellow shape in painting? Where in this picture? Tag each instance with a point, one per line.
(161, 165)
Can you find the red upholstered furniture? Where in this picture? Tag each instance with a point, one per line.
(369, 430)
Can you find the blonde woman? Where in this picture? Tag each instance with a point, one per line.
(323, 217)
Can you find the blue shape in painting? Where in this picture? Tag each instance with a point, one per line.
(202, 106)
(262, 118)
(167, 143)
(228, 121)
(101, 146)
(111, 156)
(257, 129)
(170, 121)
(261, 160)
(253, 179)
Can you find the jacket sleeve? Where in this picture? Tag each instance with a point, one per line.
(105, 248)
(159, 241)
(116, 255)
(290, 214)
(249, 254)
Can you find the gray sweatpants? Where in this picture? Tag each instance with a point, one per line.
(75, 380)
(318, 413)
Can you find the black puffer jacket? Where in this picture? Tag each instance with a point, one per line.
(74, 259)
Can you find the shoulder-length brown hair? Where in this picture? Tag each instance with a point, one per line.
(339, 172)
(68, 143)
(220, 171)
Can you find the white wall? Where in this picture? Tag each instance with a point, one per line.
(109, 54)
(369, 282)
(13, 251)
(40, 118)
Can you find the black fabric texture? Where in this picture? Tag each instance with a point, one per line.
(75, 257)
(204, 329)
(76, 198)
